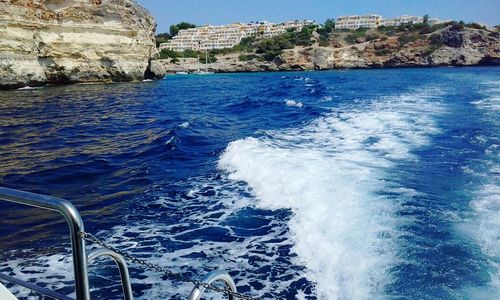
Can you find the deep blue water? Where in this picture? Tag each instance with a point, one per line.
(365, 184)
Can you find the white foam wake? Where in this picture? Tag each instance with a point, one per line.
(485, 227)
(328, 173)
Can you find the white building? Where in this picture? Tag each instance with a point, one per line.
(437, 21)
(401, 20)
(355, 22)
(373, 21)
(227, 36)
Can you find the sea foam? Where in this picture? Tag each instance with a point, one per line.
(485, 226)
(328, 174)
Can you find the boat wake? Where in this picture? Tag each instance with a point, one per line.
(484, 225)
(329, 174)
(295, 213)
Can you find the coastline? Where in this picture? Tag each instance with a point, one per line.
(450, 46)
(211, 69)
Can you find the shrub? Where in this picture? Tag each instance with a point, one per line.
(245, 57)
(388, 30)
(430, 50)
(323, 41)
(270, 56)
(351, 39)
(418, 26)
(404, 27)
(371, 37)
(494, 34)
(458, 26)
(189, 54)
(361, 30)
(303, 37)
(274, 44)
(406, 38)
(166, 53)
(475, 26)
(426, 30)
(246, 44)
(359, 33)
(211, 59)
(322, 31)
(435, 40)
(382, 52)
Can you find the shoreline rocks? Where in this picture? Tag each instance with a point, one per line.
(70, 41)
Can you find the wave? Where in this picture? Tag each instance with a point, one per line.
(290, 102)
(29, 88)
(328, 173)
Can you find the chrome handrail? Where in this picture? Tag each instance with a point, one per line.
(210, 278)
(33, 287)
(122, 267)
(77, 232)
(72, 217)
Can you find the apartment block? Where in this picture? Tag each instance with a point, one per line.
(401, 20)
(373, 21)
(355, 22)
(227, 36)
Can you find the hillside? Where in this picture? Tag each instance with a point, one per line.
(419, 45)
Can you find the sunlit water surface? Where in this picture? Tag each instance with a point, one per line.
(370, 184)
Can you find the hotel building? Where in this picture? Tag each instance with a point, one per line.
(373, 21)
(401, 20)
(355, 22)
(227, 36)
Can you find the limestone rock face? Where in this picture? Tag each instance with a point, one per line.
(467, 47)
(323, 58)
(296, 59)
(459, 47)
(54, 41)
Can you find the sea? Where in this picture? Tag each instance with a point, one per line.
(345, 184)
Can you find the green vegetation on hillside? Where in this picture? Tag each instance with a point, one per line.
(273, 47)
(324, 32)
(175, 55)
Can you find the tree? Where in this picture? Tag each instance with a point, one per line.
(426, 19)
(174, 29)
(329, 25)
(162, 38)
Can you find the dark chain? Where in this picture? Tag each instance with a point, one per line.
(175, 276)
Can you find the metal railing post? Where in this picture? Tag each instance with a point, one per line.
(122, 267)
(211, 277)
(75, 223)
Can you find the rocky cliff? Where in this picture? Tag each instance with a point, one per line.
(58, 41)
(450, 46)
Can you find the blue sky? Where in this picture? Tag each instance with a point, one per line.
(201, 12)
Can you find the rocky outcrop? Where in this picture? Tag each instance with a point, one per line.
(451, 46)
(59, 41)
(225, 64)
